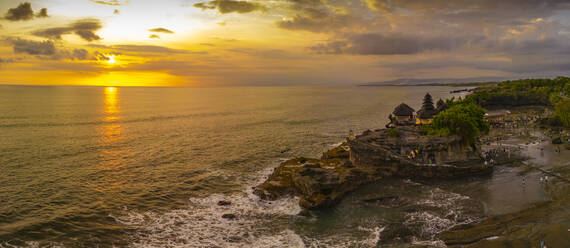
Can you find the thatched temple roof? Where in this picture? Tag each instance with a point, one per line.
(403, 110)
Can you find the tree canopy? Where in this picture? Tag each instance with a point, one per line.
(463, 118)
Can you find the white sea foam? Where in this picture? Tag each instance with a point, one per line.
(200, 224)
(447, 212)
(442, 199)
(31, 244)
(370, 239)
(336, 144)
(430, 243)
(409, 181)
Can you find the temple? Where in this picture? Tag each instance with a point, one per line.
(404, 115)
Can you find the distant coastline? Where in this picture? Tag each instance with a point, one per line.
(454, 82)
(471, 84)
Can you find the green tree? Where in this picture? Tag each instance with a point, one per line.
(562, 111)
(465, 119)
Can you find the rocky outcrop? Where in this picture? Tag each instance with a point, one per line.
(318, 182)
(409, 152)
(368, 157)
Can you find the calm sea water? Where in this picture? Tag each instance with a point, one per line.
(145, 167)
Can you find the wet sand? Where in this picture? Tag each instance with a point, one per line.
(528, 204)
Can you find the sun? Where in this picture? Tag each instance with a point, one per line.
(111, 60)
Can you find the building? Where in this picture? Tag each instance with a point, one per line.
(425, 117)
(403, 115)
(427, 112)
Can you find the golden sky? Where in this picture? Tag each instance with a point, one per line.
(278, 42)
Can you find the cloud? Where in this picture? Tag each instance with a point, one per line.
(99, 56)
(230, 6)
(486, 64)
(72, 54)
(4, 61)
(111, 2)
(144, 50)
(325, 23)
(33, 47)
(83, 28)
(116, 12)
(390, 44)
(42, 13)
(47, 50)
(317, 16)
(154, 36)
(161, 30)
(24, 12)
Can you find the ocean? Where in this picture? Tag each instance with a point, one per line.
(145, 167)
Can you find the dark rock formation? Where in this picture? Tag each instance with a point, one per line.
(318, 182)
(323, 182)
(229, 216)
(440, 157)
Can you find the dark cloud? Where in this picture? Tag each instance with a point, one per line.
(42, 13)
(390, 44)
(161, 30)
(102, 57)
(111, 2)
(4, 61)
(489, 16)
(83, 28)
(71, 54)
(47, 50)
(24, 12)
(154, 36)
(33, 47)
(324, 23)
(317, 16)
(230, 6)
(516, 66)
(465, 5)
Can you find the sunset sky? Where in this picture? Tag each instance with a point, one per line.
(278, 42)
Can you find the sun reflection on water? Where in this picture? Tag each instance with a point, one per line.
(112, 155)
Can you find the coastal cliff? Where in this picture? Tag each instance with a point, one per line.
(367, 158)
(408, 152)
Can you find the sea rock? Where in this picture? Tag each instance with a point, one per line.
(305, 213)
(312, 165)
(341, 152)
(323, 182)
(396, 231)
(229, 216)
(433, 157)
(380, 198)
(317, 182)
